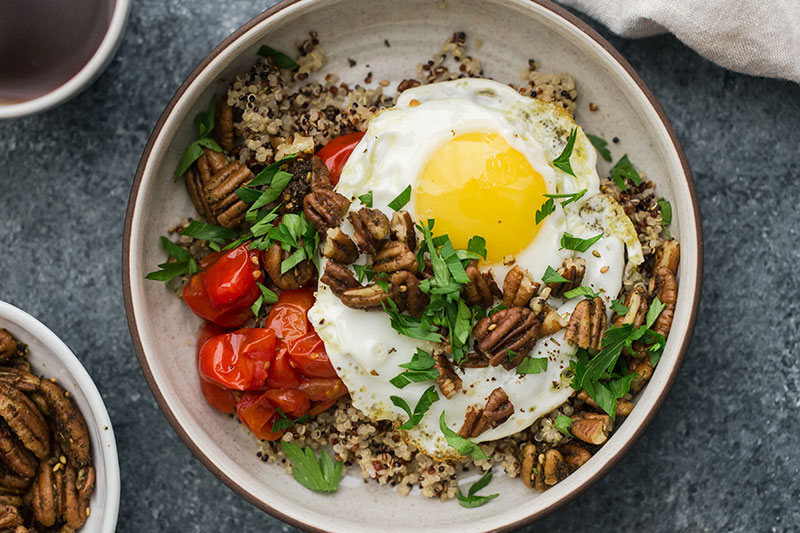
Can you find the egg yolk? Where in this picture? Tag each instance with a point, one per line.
(477, 184)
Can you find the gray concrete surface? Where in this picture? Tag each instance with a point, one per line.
(722, 454)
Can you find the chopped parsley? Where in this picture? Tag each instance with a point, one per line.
(364, 272)
(267, 297)
(184, 263)
(215, 235)
(284, 422)
(581, 291)
(472, 499)
(666, 215)
(622, 170)
(569, 197)
(402, 199)
(366, 198)
(545, 210)
(562, 423)
(280, 59)
(601, 145)
(562, 161)
(477, 245)
(619, 308)
(571, 242)
(532, 365)
(551, 275)
(462, 445)
(320, 475)
(205, 126)
(424, 403)
(420, 368)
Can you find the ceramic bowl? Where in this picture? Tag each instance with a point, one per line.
(50, 357)
(511, 32)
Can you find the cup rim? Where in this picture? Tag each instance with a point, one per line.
(84, 77)
(687, 176)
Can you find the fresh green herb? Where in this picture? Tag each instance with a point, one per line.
(532, 365)
(477, 245)
(281, 60)
(321, 475)
(571, 242)
(364, 271)
(420, 368)
(215, 235)
(562, 423)
(267, 174)
(545, 210)
(581, 291)
(569, 197)
(493, 310)
(656, 306)
(511, 354)
(421, 360)
(205, 126)
(472, 500)
(266, 297)
(409, 326)
(401, 200)
(279, 182)
(552, 276)
(666, 215)
(623, 170)
(366, 199)
(424, 403)
(619, 308)
(601, 145)
(462, 445)
(562, 161)
(184, 263)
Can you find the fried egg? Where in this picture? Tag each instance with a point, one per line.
(479, 159)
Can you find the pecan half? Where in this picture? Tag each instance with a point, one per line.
(295, 277)
(78, 487)
(573, 270)
(479, 419)
(8, 346)
(481, 289)
(407, 84)
(664, 286)
(48, 493)
(371, 228)
(320, 175)
(325, 208)
(402, 228)
(507, 336)
(555, 467)
(339, 247)
(592, 428)
(574, 455)
(223, 124)
(644, 370)
(636, 302)
(587, 324)
(70, 427)
(668, 255)
(448, 381)
(551, 321)
(11, 483)
(406, 293)
(395, 256)
(475, 360)
(623, 407)
(24, 381)
(15, 456)
(10, 518)
(339, 278)
(528, 460)
(518, 289)
(220, 194)
(25, 420)
(369, 297)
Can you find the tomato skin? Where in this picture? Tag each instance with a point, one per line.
(309, 355)
(336, 153)
(282, 375)
(323, 390)
(239, 360)
(288, 317)
(258, 414)
(293, 403)
(196, 297)
(218, 397)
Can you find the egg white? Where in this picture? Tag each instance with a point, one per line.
(363, 347)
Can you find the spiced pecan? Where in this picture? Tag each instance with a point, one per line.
(212, 185)
(573, 270)
(14, 455)
(555, 467)
(338, 278)
(448, 381)
(623, 407)
(668, 255)
(551, 321)
(49, 496)
(644, 371)
(574, 455)
(8, 346)
(636, 302)
(69, 425)
(538, 474)
(402, 228)
(339, 247)
(507, 336)
(295, 277)
(10, 519)
(25, 420)
(370, 229)
(587, 324)
(11, 483)
(407, 84)
(475, 360)
(479, 419)
(78, 487)
(24, 381)
(592, 428)
(518, 289)
(664, 287)
(528, 460)
(481, 289)
(369, 297)
(406, 293)
(395, 256)
(223, 124)
(325, 208)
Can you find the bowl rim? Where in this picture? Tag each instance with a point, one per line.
(95, 66)
(568, 18)
(93, 397)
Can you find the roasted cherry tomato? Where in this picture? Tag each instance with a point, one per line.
(293, 403)
(217, 396)
(337, 151)
(323, 390)
(288, 317)
(309, 355)
(282, 375)
(238, 360)
(258, 414)
(224, 293)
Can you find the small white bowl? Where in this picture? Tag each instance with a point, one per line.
(80, 81)
(50, 357)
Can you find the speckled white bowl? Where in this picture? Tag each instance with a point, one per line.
(511, 31)
(50, 357)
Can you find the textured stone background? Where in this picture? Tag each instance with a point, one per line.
(720, 456)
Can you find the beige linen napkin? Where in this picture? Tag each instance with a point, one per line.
(759, 37)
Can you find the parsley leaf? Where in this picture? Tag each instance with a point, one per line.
(601, 145)
(421, 360)
(209, 232)
(571, 242)
(462, 445)
(279, 182)
(569, 197)
(656, 306)
(581, 291)
(267, 174)
(267, 297)
(401, 200)
(562, 423)
(532, 365)
(545, 210)
(624, 169)
(424, 403)
(366, 199)
(472, 499)
(551, 275)
(408, 325)
(666, 215)
(205, 126)
(184, 264)
(477, 245)
(413, 376)
(364, 271)
(562, 161)
(281, 60)
(619, 308)
(321, 475)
